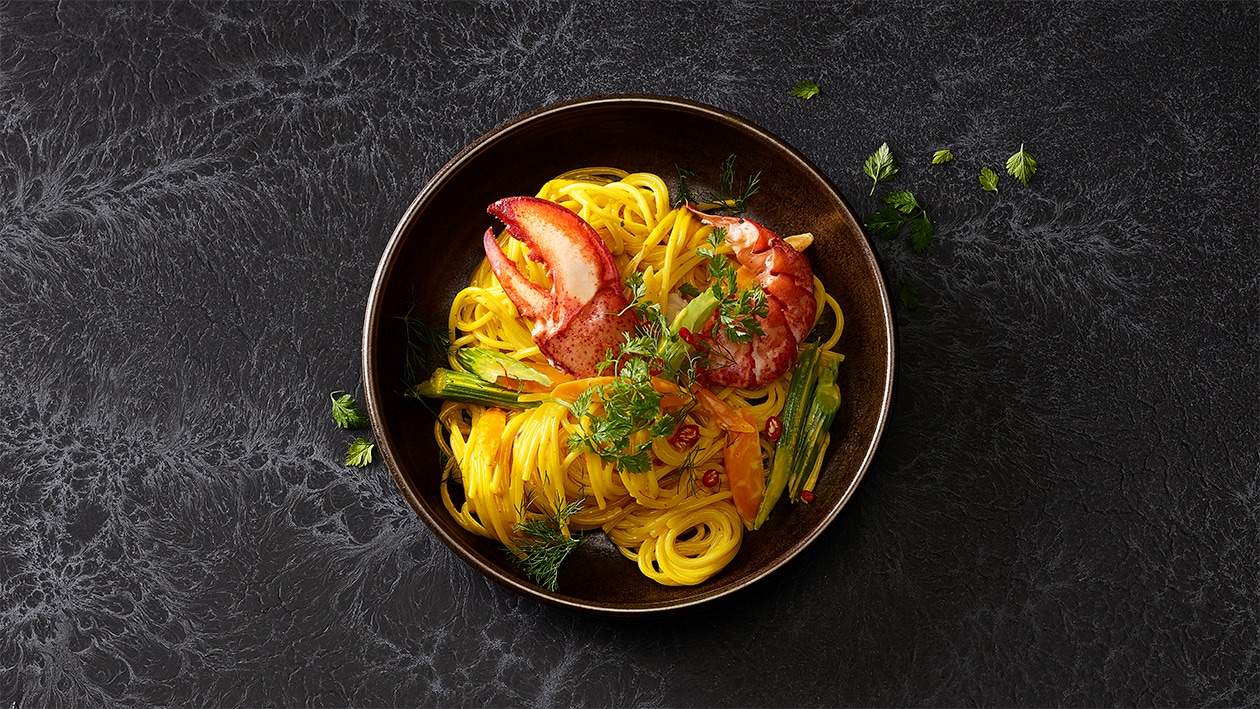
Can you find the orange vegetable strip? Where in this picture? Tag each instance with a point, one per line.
(727, 417)
(745, 471)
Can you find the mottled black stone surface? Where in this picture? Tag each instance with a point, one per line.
(193, 198)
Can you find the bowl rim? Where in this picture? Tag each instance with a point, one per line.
(373, 391)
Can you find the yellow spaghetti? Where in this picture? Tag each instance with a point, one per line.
(505, 468)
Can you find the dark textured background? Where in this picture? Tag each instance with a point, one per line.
(193, 198)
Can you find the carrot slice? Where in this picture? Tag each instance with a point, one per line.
(671, 396)
(745, 471)
(570, 390)
(727, 417)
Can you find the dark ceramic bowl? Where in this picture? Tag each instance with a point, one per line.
(437, 244)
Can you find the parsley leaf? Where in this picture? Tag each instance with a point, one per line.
(941, 157)
(880, 166)
(688, 290)
(346, 411)
(902, 208)
(988, 179)
(909, 295)
(884, 223)
(805, 90)
(921, 232)
(739, 309)
(1021, 165)
(360, 453)
(903, 202)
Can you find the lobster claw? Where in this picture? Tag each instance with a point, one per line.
(584, 314)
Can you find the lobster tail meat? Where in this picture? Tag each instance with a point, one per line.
(788, 280)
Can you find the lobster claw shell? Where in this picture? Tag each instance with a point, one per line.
(584, 313)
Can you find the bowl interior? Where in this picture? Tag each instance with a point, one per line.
(437, 244)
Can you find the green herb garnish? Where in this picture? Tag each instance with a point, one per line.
(426, 348)
(630, 404)
(880, 166)
(909, 295)
(941, 157)
(360, 453)
(346, 412)
(729, 196)
(739, 309)
(1021, 165)
(988, 179)
(902, 209)
(544, 545)
(921, 232)
(805, 90)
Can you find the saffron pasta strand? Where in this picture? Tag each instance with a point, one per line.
(504, 468)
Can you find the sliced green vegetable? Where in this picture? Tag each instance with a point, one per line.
(674, 350)
(796, 408)
(492, 366)
(469, 388)
(696, 313)
(822, 411)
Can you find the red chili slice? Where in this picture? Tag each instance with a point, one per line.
(656, 366)
(686, 436)
(774, 428)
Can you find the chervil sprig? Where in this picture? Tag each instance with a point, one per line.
(346, 412)
(805, 90)
(988, 179)
(739, 309)
(1021, 165)
(629, 404)
(901, 209)
(909, 295)
(880, 166)
(360, 453)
